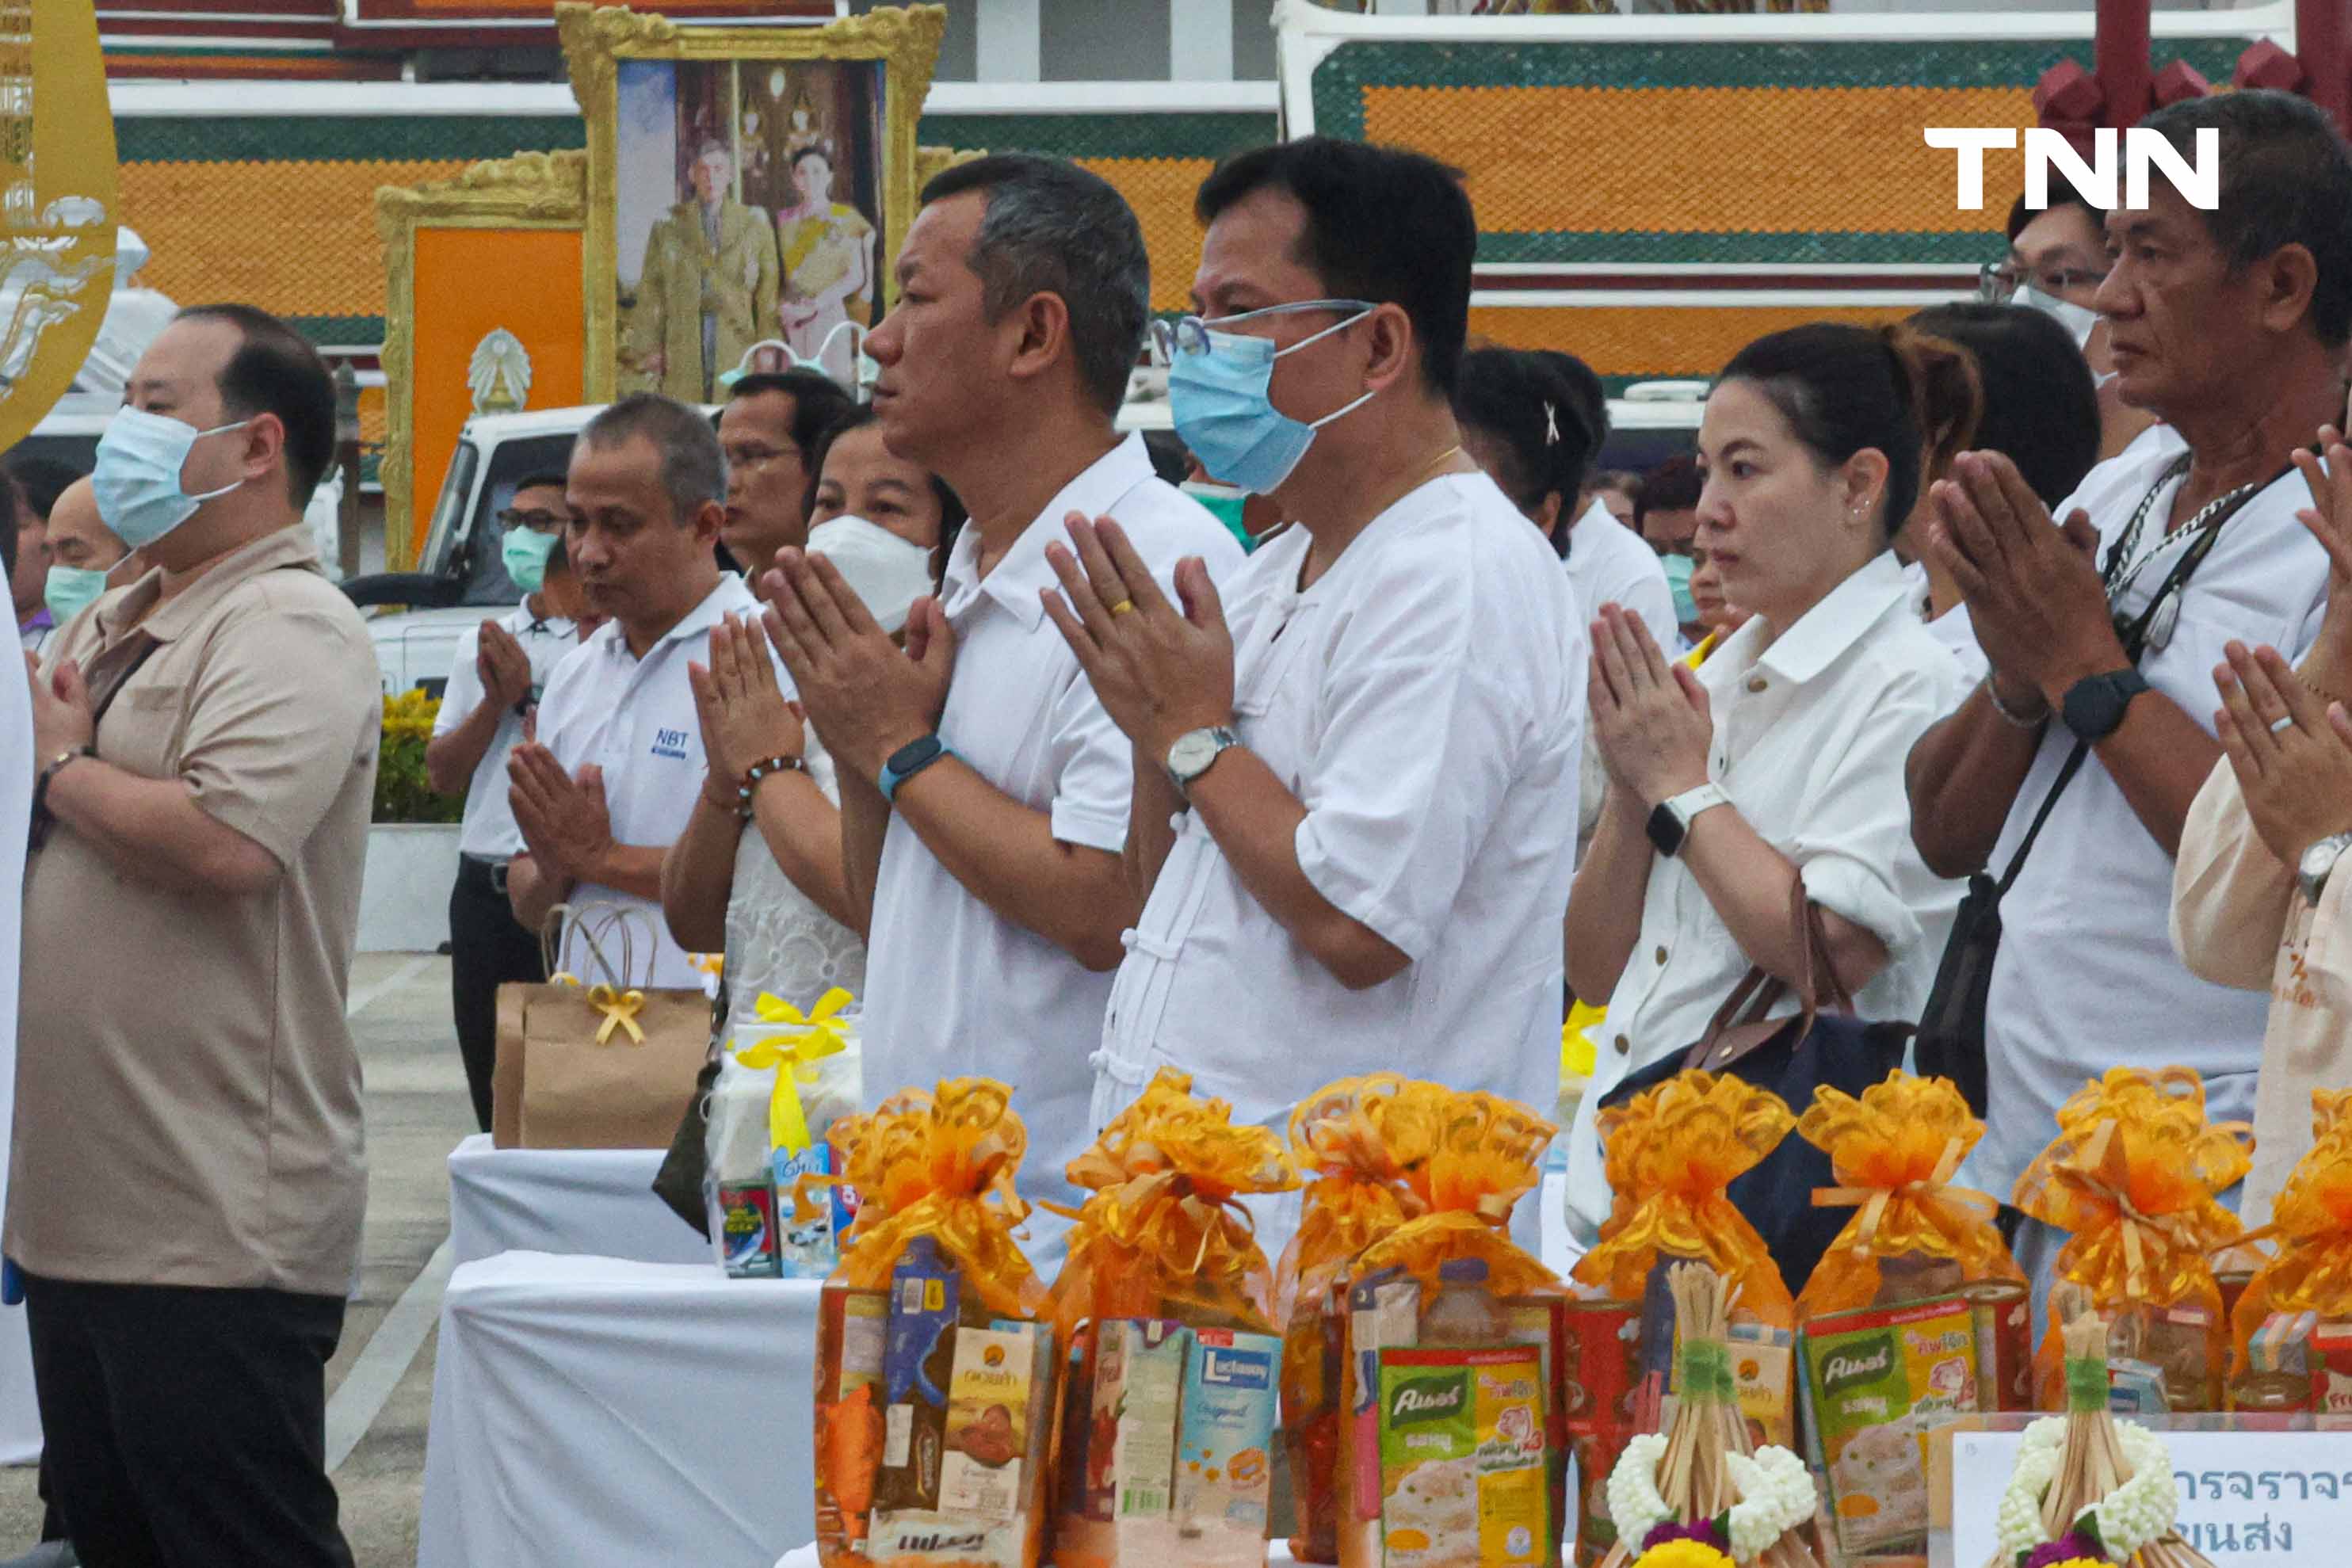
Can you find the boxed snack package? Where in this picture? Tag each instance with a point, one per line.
(1163, 1240)
(1914, 1235)
(1875, 1379)
(935, 1380)
(1364, 1145)
(2134, 1177)
(1464, 1475)
(1451, 1280)
(1600, 1366)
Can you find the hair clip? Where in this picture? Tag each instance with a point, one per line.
(1551, 425)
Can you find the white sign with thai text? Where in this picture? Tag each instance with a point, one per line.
(2248, 1500)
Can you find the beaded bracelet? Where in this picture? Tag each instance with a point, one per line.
(1993, 692)
(764, 768)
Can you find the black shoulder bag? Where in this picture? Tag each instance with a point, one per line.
(1951, 1042)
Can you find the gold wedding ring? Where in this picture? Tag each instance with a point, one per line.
(1122, 607)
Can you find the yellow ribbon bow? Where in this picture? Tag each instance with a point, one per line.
(802, 1041)
(620, 1010)
(1485, 1159)
(2312, 1221)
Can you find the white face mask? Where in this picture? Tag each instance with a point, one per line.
(888, 572)
(2078, 319)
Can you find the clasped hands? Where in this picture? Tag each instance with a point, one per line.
(866, 695)
(1160, 670)
(2036, 600)
(1651, 717)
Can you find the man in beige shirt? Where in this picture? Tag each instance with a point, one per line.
(186, 1184)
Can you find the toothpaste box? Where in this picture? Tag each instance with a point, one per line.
(1131, 1439)
(1225, 1465)
(1464, 1459)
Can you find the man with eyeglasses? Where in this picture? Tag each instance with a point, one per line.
(767, 431)
(500, 669)
(2094, 731)
(2057, 259)
(1356, 767)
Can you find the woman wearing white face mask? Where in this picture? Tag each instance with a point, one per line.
(774, 899)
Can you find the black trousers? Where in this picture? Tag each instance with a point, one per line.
(489, 947)
(187, 1427)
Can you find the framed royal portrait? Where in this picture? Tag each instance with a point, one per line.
(747, 187)
(486, 310)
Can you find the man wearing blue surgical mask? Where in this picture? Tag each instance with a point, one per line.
(206, 742)
(83, 552)
(1355, 764)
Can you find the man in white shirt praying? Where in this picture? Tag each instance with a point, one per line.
(2230, 325)
(983, 790)
(618, 761)
(1356, 769)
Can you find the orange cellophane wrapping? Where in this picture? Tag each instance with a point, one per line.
(1162, 1237)
(939, 1164)
(2133, 1178)
(1366, 1145)
(2311, 1220)
(1893, 1152)
(1486, 1156)
(1669, 1154)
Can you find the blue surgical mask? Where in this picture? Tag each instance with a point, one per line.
(1217, 389)
(69, 590)
(1678, 576)
(524, 552)
(137, 476)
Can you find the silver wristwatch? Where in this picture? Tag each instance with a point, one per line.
(1195, 752)
(2320, 859)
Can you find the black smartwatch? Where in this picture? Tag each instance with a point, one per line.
(2094, 706)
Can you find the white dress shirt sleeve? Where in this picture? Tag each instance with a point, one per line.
(1094, 769)
(1418, 748)
(1855, 853)
(463, 694)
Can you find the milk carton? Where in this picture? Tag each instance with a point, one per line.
(1225, 1470)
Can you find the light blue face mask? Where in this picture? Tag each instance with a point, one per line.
(1217, 386)
(524, 552)
(1678, 576)
(137, 476)
(69, 590)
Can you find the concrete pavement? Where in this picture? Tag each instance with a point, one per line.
(417, 1110)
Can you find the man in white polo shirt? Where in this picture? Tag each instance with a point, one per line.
(613, 776)
(1356, 774)
(983, 790)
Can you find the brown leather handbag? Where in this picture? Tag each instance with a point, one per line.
(1791, 1056)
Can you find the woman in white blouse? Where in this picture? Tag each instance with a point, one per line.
(766, 885)
(1781, 760)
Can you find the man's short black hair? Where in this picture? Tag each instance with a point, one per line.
(277, 372)
(818, 402)
(1674, 486)
(1051, 228)
(1383, 225)
(2286, 179)
(2020, 215)
(40, 480)
(545, 479)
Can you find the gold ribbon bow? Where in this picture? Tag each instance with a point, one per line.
(2312, 1221)
(1894, 1151)
(620, 1010)
(2132, 1177)
(1485, 1160)
(801, 1042)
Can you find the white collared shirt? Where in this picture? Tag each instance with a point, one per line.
(955, 989)
(1425, 701)
(1811, 732)
(1610, 564)
(2087, 978)
(490, 831)
(634, 719)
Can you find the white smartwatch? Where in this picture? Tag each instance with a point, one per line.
(1669, 825)
(1195, 752)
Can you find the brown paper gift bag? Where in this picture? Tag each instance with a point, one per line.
(591, 1062)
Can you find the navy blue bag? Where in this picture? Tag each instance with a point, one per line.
(1791, 1057)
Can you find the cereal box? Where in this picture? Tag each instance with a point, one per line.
(988, 1433)
(1875, 1380)
(1463, 1459)
(1224, 1470)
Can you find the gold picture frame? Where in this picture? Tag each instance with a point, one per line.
(528, 191)
(904, 42)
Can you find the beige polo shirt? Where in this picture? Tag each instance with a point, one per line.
(187, 1093)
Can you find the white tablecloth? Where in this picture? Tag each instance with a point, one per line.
(599, 1413)
(599, 1202)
